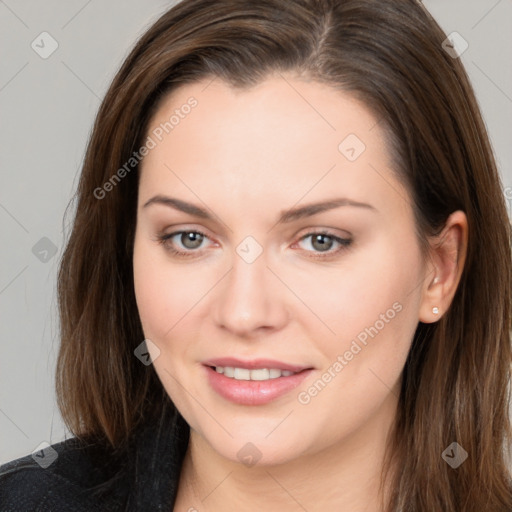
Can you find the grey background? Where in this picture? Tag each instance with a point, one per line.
(47, 107)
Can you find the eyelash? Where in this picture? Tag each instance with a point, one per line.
(164, 239)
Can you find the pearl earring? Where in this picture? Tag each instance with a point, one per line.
(435, 310)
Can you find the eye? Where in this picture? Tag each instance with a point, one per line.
(322, 242)
(189, 240)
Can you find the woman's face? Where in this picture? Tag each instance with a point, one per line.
(333, 290)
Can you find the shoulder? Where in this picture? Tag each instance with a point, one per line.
(75, 475)
(69, 475)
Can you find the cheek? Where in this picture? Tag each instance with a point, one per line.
(169, 296)
(155, 294)
(374, 313)
(164, 297)
(364, 361)
(367, 289)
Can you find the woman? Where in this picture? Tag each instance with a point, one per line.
(291, 209)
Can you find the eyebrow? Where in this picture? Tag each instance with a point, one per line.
(286, 216)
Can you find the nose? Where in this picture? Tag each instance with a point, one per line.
(251, 299)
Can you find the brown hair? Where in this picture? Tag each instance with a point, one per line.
(388, 54)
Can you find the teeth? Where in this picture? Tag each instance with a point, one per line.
(242, 374)
(256, 374)
(261, 374)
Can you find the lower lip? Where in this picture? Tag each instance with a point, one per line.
(254, 392)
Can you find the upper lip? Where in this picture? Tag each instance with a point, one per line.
(254, 363)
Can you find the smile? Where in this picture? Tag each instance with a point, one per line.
(255, 386)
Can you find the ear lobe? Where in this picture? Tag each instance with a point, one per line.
(447, 256)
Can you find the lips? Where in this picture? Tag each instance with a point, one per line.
(253, 392)
(254, 364)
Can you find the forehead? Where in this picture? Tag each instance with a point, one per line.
(281, 105)
(283, 137)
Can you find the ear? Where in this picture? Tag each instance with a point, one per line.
(446, 259)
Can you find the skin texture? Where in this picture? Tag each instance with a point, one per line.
(246, 157)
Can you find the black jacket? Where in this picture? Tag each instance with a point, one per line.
(88, 477)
